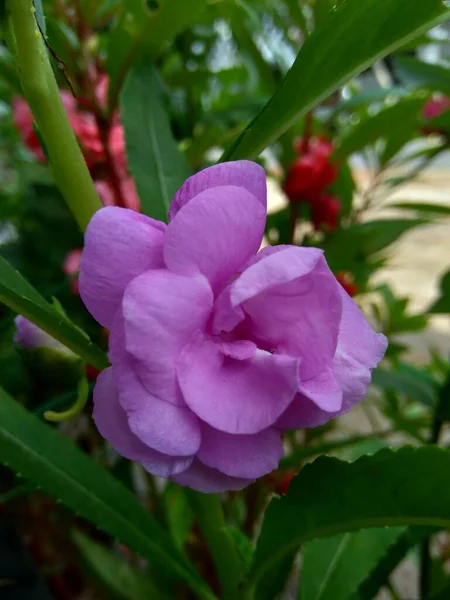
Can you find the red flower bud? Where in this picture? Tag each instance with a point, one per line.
(311, 172)
(346, 280)
(325, 213)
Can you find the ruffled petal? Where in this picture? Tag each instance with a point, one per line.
(111, 421)
(357, 339)
(171, 465)
(240, 173)
(209, 481)
(215, 234)
(248, 456)
(120, 244)
(170, 429)
(161, 312)
(292, 306)
(323, 392)
(359, 351)
(235, 396)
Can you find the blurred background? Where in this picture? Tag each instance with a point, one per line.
(365, 176)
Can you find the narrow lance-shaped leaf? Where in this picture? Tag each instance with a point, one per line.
(353, 36)
(333, 568)
(375, 491)
(156, 163)
(55, 464)
(116, 576)
(23, 298)
(143, 31)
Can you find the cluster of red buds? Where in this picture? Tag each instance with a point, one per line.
(308, 178)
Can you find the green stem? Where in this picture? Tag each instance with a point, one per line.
(41, 92)
(440, 414)
(208, 512)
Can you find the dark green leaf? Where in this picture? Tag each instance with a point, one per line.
(157, 165)
(333, 568)
(344, 188)
(353, 36)
(55, 464)
(120, 580)
(40, 15)
(419, 74)
(396, 553)
(399, 117)
(423, 207)
(415, 383)
(178, 513)
(375, 491)
(22, 297)
(140, 31)
(442, 304)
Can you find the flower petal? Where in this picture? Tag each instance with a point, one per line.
(323, 391)
(209, 481)
(235, 396)
(248, 456)
(239, 173)
(359, 351)
(292, 304)
(170, 429)
(162, 310)
(168, 467)
(111, 421)
(120, 244)
(215, 234)
(356, 337)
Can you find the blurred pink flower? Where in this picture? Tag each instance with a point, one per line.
(216, 348)
(436, 106)
(71, 268)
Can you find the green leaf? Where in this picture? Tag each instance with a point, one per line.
(442, 304)
(322, 8)
(399, 117)
(395, 553)
(178, 513)
(418, 74)
(360, 241)
(375, 491)
(143, 32)
(354, 35)
(51, 461)
(415, 383)
(157, 165)
(24, 299)
(333, 568)
(40, 15)
(121, 580)
(427, 208)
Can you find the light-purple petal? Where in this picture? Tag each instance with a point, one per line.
(240, 173)
(248, 456)
(215, 234)
(120, 244)
(209, 481)
(161, 312)
(235, 396)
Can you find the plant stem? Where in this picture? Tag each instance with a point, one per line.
(438, 422)
(41, 91)
(208, 512)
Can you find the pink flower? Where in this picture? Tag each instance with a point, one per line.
(30, 336)
(436, 106)
(216, 347)
(71, 268)
(128, 190)
(83, 125)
